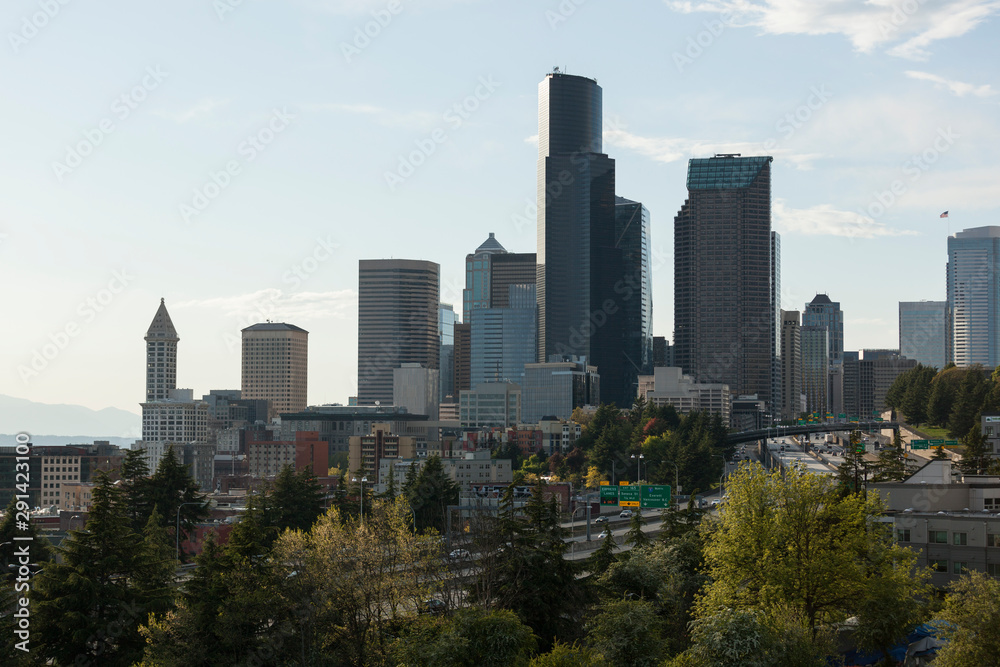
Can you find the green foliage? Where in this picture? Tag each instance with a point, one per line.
(751, 638)
(891, 465)
(972, 608)
(794, 543)
(852, 474)
(604, 556)
(90, 605)
(635, 535)
(628, 633)
(977, 458)
(429, 493)
(944, 390)
(172, 490)
(471, 638)
(565, 655)
(972, 392)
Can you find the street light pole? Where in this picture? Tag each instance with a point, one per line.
(177, 528)
(363, 480)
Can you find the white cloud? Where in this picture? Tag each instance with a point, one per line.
(906, 27)
(957, 87)
(273, 304)
(366, 7)
(202, 108)
(825, 220)
(383, 116)
(672, 149)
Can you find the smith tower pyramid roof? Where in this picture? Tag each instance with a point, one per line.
(162, 328)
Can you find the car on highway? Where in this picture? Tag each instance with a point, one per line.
(460, 554)
(604, 535)
(625, 514)
(433, 606)
(601, 519)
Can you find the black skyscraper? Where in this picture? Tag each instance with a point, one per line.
(724, 307)
(580, 313)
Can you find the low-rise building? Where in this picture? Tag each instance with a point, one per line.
(368, 451)
(472, 468)
(952, 523)
(669, 386)
(490, 404)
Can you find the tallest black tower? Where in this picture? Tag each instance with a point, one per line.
(579, 266)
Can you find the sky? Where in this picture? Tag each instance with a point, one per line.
(238, 157)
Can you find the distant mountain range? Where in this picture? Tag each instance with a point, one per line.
(66, 424)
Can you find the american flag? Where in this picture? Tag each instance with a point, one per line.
(945, 214)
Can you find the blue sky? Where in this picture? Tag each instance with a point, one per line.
(232, 157)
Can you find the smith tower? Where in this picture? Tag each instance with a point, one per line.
(161, 356)
(579, 312)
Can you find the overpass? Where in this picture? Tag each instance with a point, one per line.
(804, 429)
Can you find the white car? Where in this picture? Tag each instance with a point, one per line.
(604, 535)
(460, 554)
(625, 514)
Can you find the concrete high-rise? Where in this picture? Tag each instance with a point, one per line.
(276, 366)
(923, 332)
(724, 310)
(169, 415)
(777, 387)
(579, 263)
(791, 365)
(822, 312)
(446, 328)
(974, 296)
(161, 356)
(632, 237)
(398, 303)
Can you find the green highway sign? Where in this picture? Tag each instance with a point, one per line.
(609, 495)
(918, 444)
(936, 443)
(841, 416)
(629, 496)
(951, 443)
(655, 495)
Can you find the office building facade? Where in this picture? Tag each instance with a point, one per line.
(397, 322)
(502, 340)
(579, 263)
(635, 293)
(555, 388)
(276, 366)
(973, 288)
(923, 332)
(791, 365)
(446, 328)
(816, 369)
(724, 312)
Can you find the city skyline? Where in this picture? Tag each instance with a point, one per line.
(242, 175)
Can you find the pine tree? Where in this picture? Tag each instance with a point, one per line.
(852, 473)
(604, 556)
(976, 458)
(175, 493)
(136, 488)
(891, 466)
(90, 605)
(297, 499)
(429, 495)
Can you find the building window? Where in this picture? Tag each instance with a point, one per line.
(939, 565)
(902, 534)
(958, 567)
(960, 539)
(993, 540)
(938, 537)
(993, 569)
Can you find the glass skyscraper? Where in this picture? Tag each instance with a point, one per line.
(822, 312)
(579, 263)
(724, 307)
(635, 290)
(974, 296)
(923, 332)
(503, 339)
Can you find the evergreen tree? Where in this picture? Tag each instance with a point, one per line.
(297, 499)
(972, 392)
(136, 488)
(429, 494)
(891, 465)
(977, 458)
(90, 605)
(635, 536)
(604, 556)
(852, 474)
(944, 389)
(175, 493)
